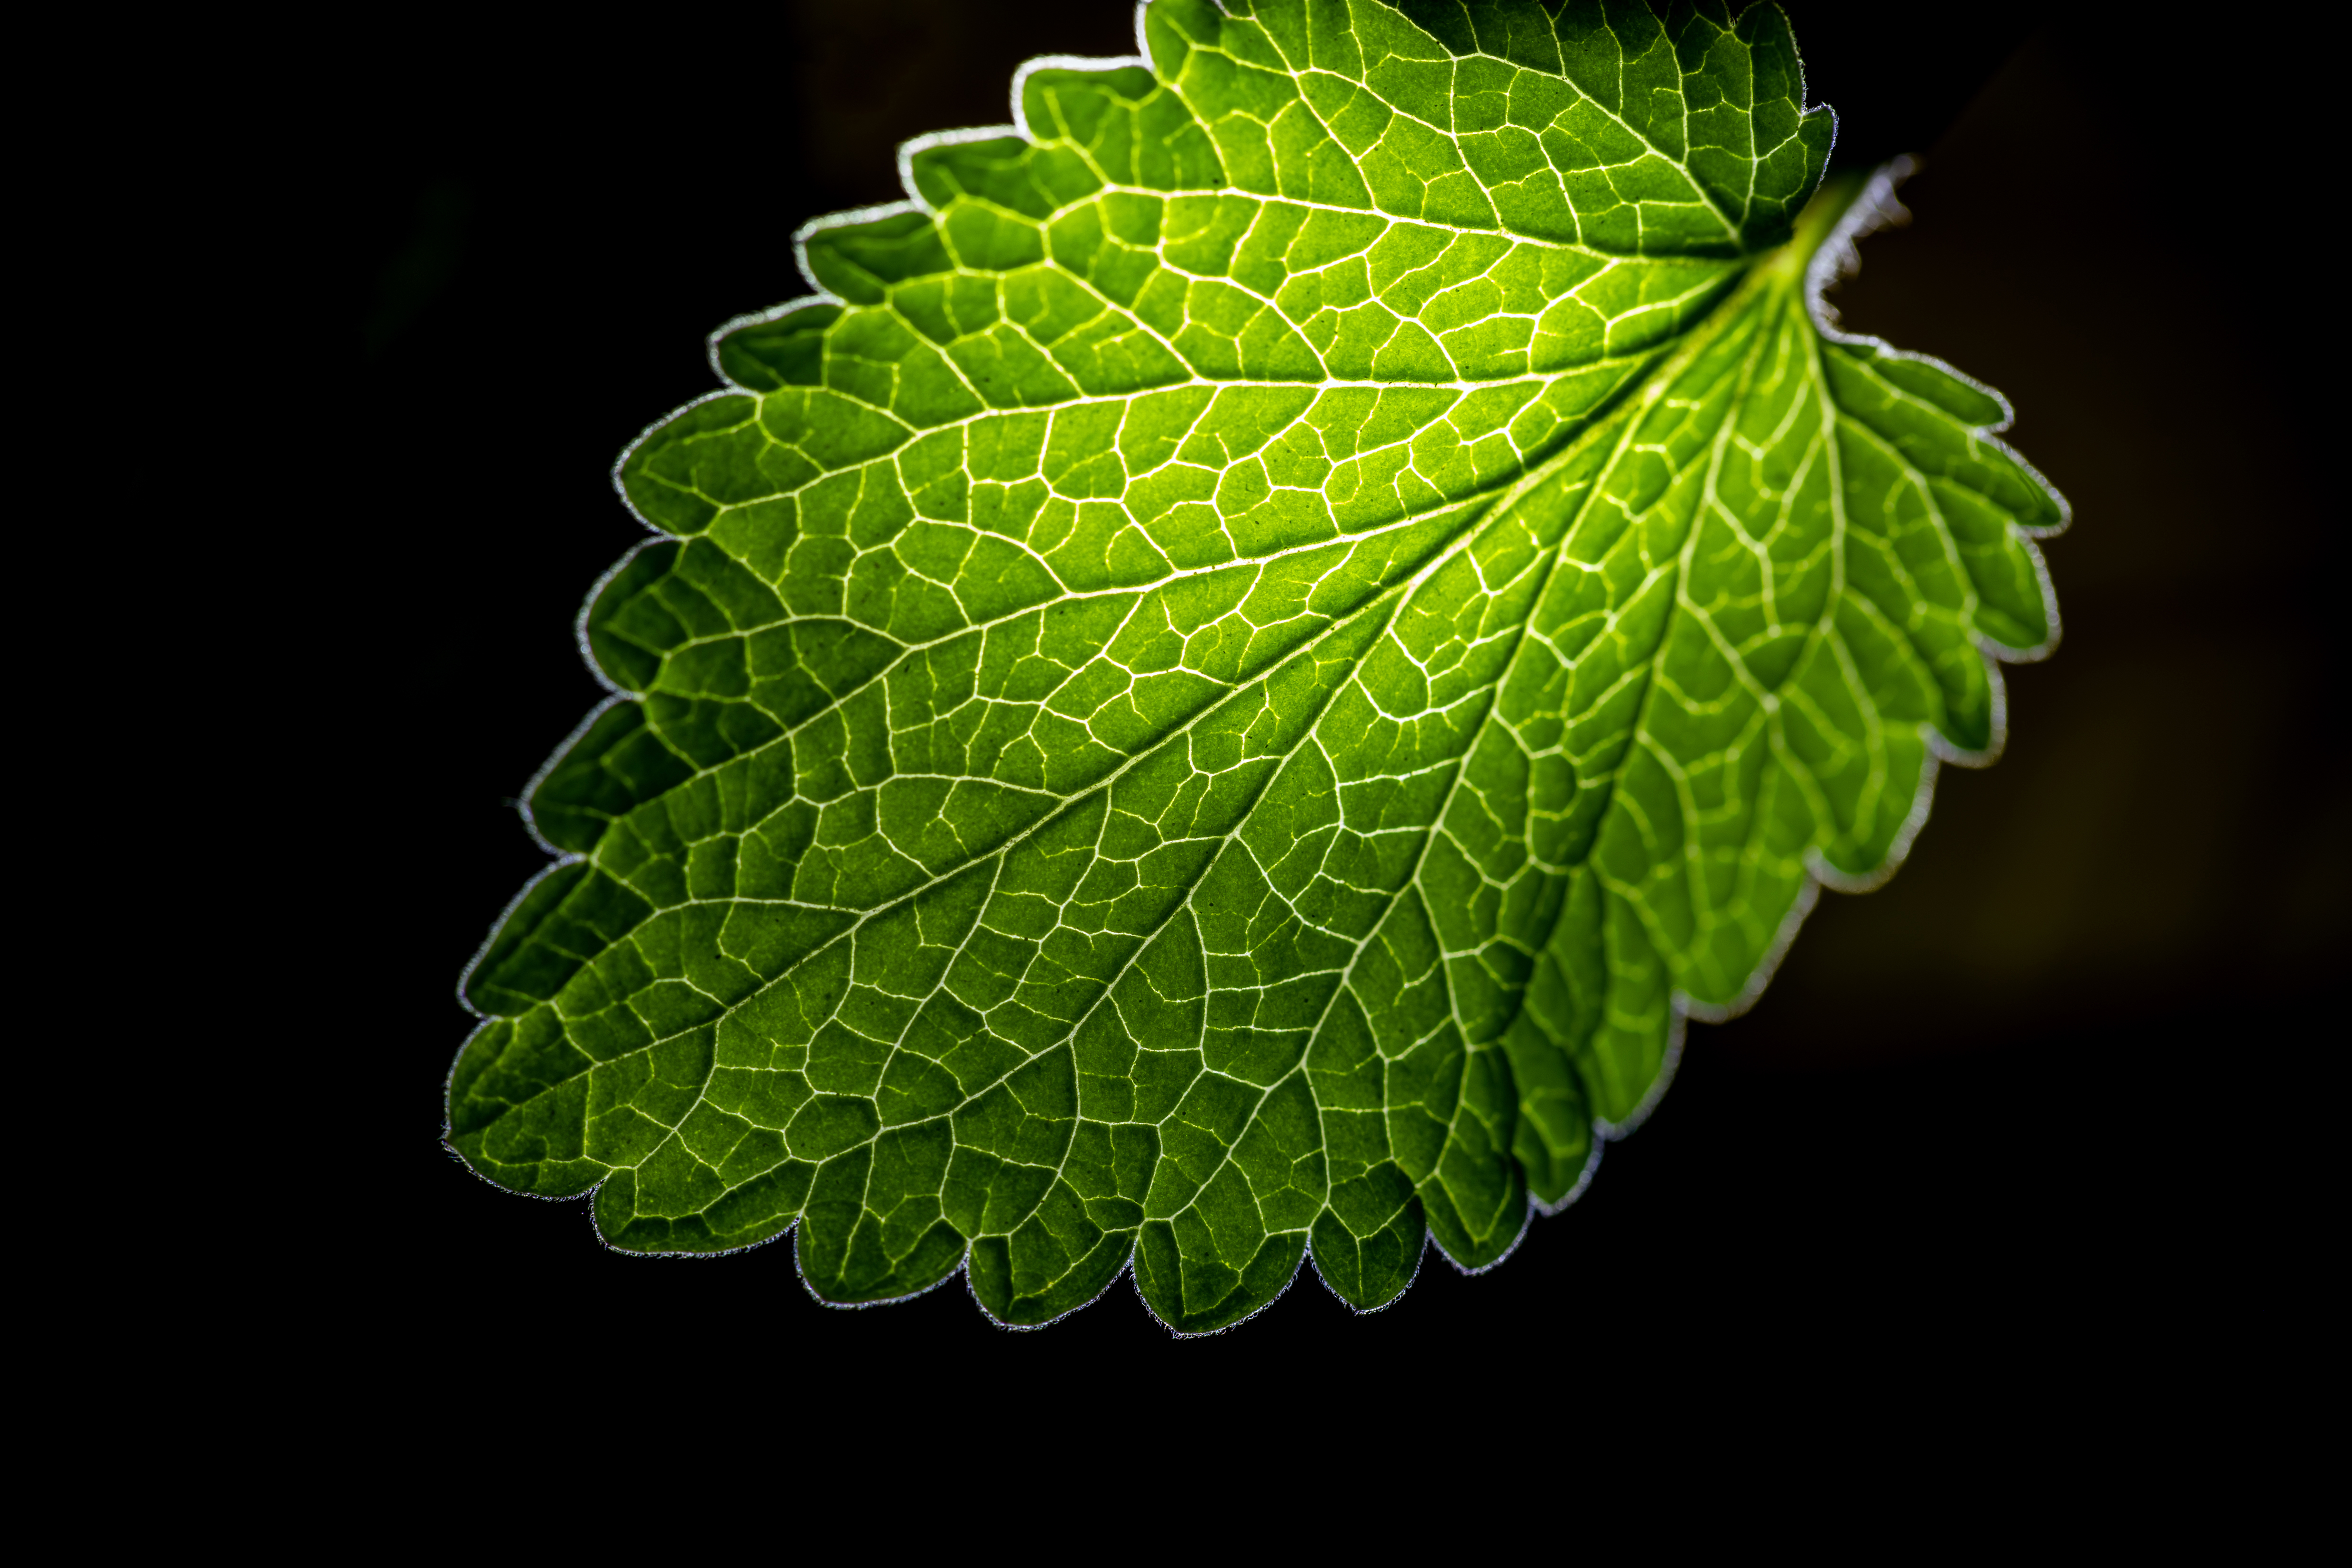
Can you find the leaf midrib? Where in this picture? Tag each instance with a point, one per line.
(1626, 405)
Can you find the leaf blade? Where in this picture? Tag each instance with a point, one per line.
(1189, 710)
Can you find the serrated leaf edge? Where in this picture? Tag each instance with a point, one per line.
(1874, 206)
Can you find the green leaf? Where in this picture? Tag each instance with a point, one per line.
(1222, 691)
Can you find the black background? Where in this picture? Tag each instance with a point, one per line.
(2033, 1095)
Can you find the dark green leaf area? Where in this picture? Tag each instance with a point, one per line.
(1220, 700)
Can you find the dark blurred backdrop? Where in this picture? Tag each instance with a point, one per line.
(2021, 1096)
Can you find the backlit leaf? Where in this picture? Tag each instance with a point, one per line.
(1220, 694)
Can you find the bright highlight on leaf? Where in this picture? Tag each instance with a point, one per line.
(1219, 696)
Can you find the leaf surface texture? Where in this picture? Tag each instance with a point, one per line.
(1221, 693)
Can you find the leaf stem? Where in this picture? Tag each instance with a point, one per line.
(1814, 226)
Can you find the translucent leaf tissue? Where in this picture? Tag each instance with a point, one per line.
(1219, 693)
